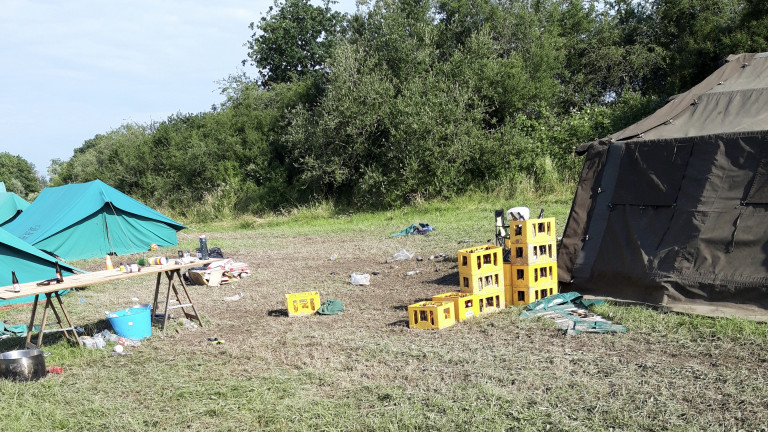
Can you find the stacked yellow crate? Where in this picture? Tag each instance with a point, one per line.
(531, 273)
(481, 272)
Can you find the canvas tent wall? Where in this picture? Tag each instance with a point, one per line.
(673, 210)
(29, 263)
(11, 206)
(86, 220)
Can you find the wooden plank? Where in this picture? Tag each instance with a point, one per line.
(92, 278)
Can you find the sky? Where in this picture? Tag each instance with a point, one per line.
(74, 69)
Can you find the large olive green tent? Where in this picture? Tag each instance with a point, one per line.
(87, 220)
(673, 210)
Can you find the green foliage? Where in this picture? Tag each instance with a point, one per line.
(407, 101)
(293, 40)
(19, 175)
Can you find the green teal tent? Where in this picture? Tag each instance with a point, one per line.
(29, 263)
(87, 220)
(11, 206)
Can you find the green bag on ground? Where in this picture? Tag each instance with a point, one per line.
(331, 307)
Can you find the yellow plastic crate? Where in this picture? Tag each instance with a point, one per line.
(303, 303)
(524, 296)
(431, 315)
(525, 254)
(531, 231)
(491, 301)
(480, 260)
(465, 305)
(524, 277)
(508, 280)
(477, 283)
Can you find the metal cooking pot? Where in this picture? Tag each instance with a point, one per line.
(22, 365)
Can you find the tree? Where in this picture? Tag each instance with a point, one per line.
(694, 32)
(19, 175)
(294, 39)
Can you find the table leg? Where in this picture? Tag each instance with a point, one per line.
(48, 304)
(167, 300)
(157, 292)
(29, 343)
(66, 316)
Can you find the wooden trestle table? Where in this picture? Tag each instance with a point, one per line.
(172, 272)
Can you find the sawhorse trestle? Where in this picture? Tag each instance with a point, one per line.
(49, 304)
(182, 302)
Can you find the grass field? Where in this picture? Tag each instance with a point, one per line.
(365, 369)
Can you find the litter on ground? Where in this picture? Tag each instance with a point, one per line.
(570, 312)
(401, 256)
(360, 279)
(331, 307)
(420, 228)
(235, 297)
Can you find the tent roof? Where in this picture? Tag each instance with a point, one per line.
(730, 100)
(57, 208)
(17, 245)
(14, 242)
(10, 205)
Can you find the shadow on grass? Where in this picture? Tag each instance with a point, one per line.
(278, 313)
(403, 308)
(451, 279)
(19, 342)
(399, 323)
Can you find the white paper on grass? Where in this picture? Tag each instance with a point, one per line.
(360, 279)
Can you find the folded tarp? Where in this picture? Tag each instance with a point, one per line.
(570, 312)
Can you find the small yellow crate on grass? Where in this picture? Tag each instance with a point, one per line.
(303, 303)
(531, 231)
(491, 301)
(533, 253)
(524, 296)
(465, 305)
(431, 315)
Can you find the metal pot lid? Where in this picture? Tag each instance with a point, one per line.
(18, 354)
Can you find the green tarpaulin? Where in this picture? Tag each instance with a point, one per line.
(569, 312)
(87, 220)
(420, 228)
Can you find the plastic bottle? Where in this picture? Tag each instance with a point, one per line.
(55, 369)
(108, 262)
(203, 247)
(16, 287)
